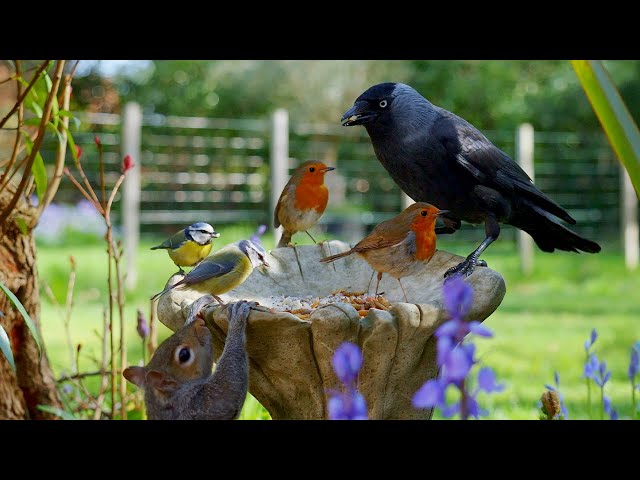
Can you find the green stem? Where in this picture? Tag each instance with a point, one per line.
(633, 399)
(589, 399)
(602, 402)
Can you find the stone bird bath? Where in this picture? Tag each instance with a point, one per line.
(290, 359)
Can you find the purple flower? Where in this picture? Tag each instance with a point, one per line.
(431, 394)
(142, 327)
(473, 409)
(67, 388)
(591, 366)
(588, 343)
(458, 363)
(347, 361)
(634, 362)
(608, 408)
(603, 375)
(479, 329)
(347, 406)
(258, 233)
(457, 296)
(487, 381)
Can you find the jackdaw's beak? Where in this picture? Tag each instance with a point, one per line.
(358, 114)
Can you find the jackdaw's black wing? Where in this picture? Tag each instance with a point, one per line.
(489, 165)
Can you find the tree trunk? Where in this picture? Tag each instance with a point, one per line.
(33, 384)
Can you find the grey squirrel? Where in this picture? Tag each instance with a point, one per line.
(177, 381)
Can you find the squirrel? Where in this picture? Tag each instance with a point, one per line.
(177, 381)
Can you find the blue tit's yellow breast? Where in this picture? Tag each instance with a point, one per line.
(242, 268)
(189, 253)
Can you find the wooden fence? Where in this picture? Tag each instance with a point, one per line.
(232, 170)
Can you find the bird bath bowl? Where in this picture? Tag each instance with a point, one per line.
(291, 372)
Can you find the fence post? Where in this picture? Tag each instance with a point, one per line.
(524, 157)
(131, 131)
(629, 225)
(279, 160)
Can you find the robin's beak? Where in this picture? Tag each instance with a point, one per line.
(441, 212)
(328, 169)
(359, 114)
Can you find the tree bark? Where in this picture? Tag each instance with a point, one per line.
(33, 383)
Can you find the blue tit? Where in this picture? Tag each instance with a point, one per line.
(223, 270)
(190, 245)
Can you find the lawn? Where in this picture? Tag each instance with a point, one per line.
(540, 327)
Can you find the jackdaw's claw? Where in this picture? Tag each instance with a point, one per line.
(481, 263)
(465, 268)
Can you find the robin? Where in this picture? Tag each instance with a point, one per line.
(302, 201)
(223, 270)
(190, 245)
(400, 246)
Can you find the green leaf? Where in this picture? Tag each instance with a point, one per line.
(37, 109)
(56, 411)
(53, 128)
(72, 144)
(40, 174)
(5, 346)
(34, 121)
(65, 113)
(613, 114)
(22, 225)
(27, 319)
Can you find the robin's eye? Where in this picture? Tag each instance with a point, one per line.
(383, 103)
(312, 169)
(184, 356)
(423, 213)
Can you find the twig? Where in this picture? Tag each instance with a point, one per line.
(29, 87)
(14, 152)
(68, 306)
(61, 151)
(94, 198)
(123, 349)
(113, 195)
(153, 334)
(83, 191)
(36, 144)
(103, 370)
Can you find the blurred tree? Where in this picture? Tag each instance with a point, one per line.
(492, 94)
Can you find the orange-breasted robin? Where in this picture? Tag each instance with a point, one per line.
(400, 246)
(302, 201)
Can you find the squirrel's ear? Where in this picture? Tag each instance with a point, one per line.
(158, 381)
(135, 375)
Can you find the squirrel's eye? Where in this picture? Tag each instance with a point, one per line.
(184, 356)
(423, 213)
(312, 169)
(383, 103)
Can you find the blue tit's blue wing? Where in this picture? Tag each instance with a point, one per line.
(173, 242)
(208, 269)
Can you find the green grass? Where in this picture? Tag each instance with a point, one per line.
(539, 328)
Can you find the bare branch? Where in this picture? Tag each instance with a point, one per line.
(26, 91)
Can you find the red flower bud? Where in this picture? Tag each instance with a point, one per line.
(78, 152)
(127, 164)
(97, 140)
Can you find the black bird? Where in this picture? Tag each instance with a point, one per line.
(439, 158)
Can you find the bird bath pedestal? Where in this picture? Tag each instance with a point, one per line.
(291, 372)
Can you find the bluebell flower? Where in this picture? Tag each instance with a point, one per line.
(457, 296)
(67, 388)
(347, 406)
(350, 404)
(603, 375)
(487, 381)
(634, 362)
(591, 366)
(473, 409)
(588, 343)
(608, 408)
(347, 361)
(431, 394)
(258, 233)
